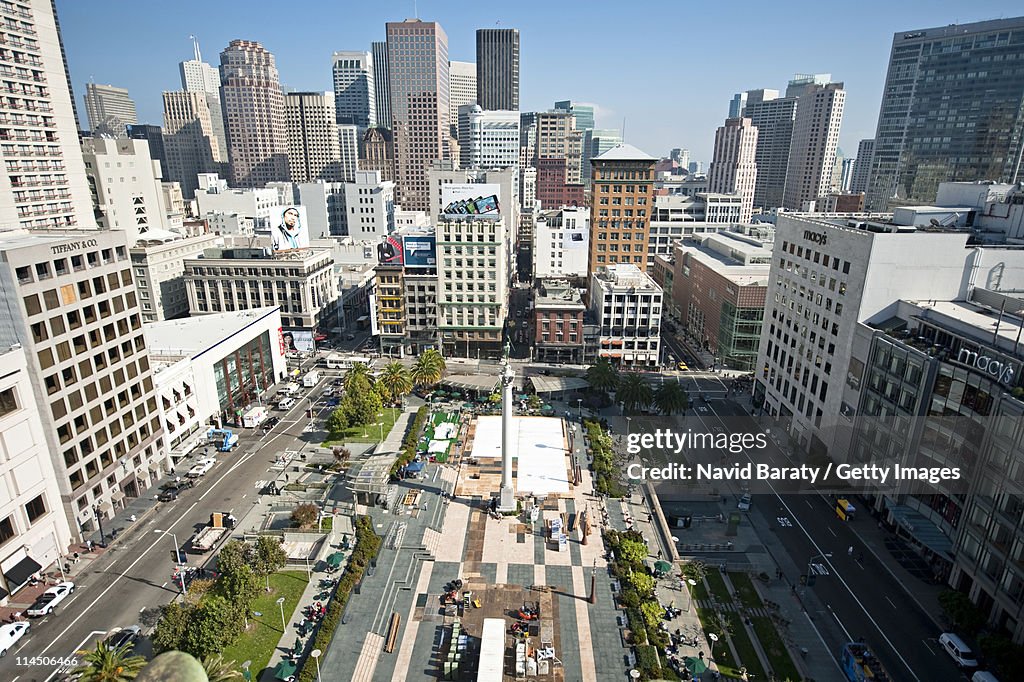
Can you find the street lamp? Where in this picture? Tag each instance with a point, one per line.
(246, 675)
(177, 555)
(315, 653)
(579, 406)
(714, 638)
(689, 593)
(99, 521)
(628, 419)
(280, 604)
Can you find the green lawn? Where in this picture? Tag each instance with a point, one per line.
(745, 590)
(717, 585)
(436, 419)
(745, 648)
(257, 644)
(775, 648)
(370, 433)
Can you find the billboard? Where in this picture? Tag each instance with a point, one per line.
(474, 200)
(575, 238)
(389, 251)
(420, 251)
(291, 229)
(298, 340)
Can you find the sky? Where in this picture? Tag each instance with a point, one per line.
(664, 70)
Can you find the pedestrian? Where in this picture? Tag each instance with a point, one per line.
(88, 546)
(849, 552)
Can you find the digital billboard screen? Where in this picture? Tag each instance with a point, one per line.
(472, 200)
(389, 251)
(291, 230)
(420, 251)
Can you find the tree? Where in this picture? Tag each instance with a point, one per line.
(670, 398)
(642, 583)
(602, 375)
(361, 403)
(359, 371)
(634, 392)
(632, 551)
(306, 515)
(213, 626)
(233, 556)
(268, 555)
(652, 613)
(494, 398)
(959, 608)
(107, 664)
(337, 423)
(240, 588)
(394, 381)
(695, 570)
(428, 369)
(219, 670)
(170, 629)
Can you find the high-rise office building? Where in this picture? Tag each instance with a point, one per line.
(419, 85)
(926, 133)
(862, 166)
(584, 113)
(198, 76)
(620, 213)
(812, 156)
(733, 170)
(348, 148)
(378, 153)
(462, 89)
(313, 144)
(558, 138)
(497, 68)
(381, 87)
(773, 117)
(154, 135)
(190, 141)
(254, 113)
(488, 139)
(110, 109)
(803, 83)
(355, 94)
(43, 177)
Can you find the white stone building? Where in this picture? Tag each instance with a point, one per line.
(627, 307)
(561, 243)
(127, 192)
(370, 207)
(159, 266)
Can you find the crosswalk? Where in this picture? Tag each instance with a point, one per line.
(784, 521)
(819, 569)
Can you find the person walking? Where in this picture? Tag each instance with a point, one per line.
(849, 552)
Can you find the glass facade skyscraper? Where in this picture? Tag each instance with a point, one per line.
(951, 111)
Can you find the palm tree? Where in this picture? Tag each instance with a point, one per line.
(634, 392)
(219, 670)
(360, 370)
(670, 398)
(602, 375)
(106, 664)
(395, 381)
(429, 368)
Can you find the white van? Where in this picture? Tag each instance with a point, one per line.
(984, 676)
(286, 403)
(958, 650)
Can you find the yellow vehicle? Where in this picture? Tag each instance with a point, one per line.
(682, 367)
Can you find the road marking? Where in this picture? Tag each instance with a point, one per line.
(74, 651)
(890, 602)
(807, 501)
(833, 533)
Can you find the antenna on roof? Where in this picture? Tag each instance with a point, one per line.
(195, 47)
(623, 130)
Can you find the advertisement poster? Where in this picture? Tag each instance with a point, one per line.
(474, 200)
(389, 251)
(291, 230)
(420, 251)
(576, 238)
(298, 340)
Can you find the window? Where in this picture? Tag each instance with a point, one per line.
(35, 508)
(8, 403)
(6, 530)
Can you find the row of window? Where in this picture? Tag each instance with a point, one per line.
(33, 510)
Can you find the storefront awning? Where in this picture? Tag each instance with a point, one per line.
(116, 496)
(922, 529)
(19, 574)
(471, 382)
(558, 384)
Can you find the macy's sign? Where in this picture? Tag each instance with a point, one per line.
(1002, 371)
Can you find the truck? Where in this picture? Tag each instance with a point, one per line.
(207, 538)
(860, 664)
(223, 439)
(311, 379)
(254, 417)
(290, 389)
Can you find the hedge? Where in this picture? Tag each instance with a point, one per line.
(366, 549)
(411, 439)
(606, 473)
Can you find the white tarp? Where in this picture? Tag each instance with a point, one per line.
(538, 444)
(437, 446)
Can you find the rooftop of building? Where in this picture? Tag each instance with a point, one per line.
(624, 152)
(557, 293)
(19, 238)
(711, 252)
(625, 275)
(192, 336)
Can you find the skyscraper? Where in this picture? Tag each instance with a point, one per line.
(737, 104)
(497, 68)
(419, 84)
(812, 156)
(733, 170)
(45, 178)
(462, 86)
(377, 153)
(355, 94)
(381, 87)
(254, 113)
(620, 212)
(584, 113)
(862, 166)
(198, 76)
(313, 145)
(950, 111)
(190, 143)
(773, 117)
(109, 109)
(488, 139)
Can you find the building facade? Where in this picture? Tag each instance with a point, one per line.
(355, 93)
(862, 166)
(488, 139)
(462, 89)
(198, 76)
(921, 140)
(75, 311)
(109, 109)
(773, 116)
(381, 84)
(125, 183)
(812, 156)
(626, 304)
(370, 207)
(620, 212)
(254, 114)
(377, 153)
(497, 69)
(314, 150)
(558, 313)
(733, 169)
(419, 86)
(561, 244)
(159, 266)
(190, 141)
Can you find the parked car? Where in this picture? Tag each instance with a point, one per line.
(744, 503)
(271, 422)
(171, 492)
(202, 467)
(120, 637)
(48, 601)
(350, 337)
(10, 634)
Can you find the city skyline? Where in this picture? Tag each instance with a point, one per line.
(683, 115)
